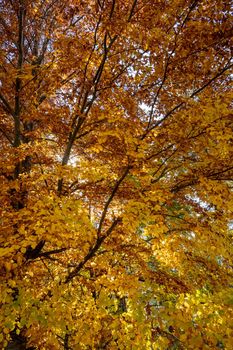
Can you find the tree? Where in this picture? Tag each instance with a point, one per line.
(116, 174)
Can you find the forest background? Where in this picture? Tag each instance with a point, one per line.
(116, 174)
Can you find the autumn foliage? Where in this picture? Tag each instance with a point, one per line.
(116, 174)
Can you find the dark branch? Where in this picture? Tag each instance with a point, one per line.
(92, 252)
(114, 191)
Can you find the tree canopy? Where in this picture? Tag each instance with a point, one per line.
(116, 174)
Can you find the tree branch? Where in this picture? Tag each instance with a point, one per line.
(114, 191)
(195, 93)
(92, 252)
(7, 106)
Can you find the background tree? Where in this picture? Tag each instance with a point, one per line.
(116, 174)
